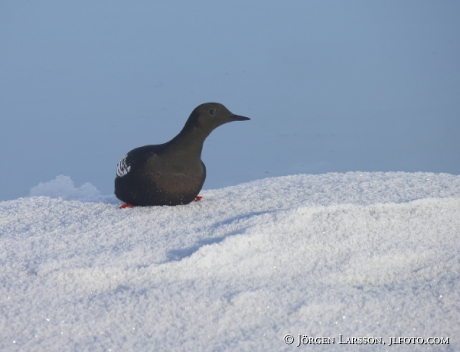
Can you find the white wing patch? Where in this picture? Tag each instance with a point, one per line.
(123, 168)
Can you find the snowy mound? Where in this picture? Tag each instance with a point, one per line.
(374, 255)
(63, 187)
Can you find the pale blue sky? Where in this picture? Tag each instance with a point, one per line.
(329, 86)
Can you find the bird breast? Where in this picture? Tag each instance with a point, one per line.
(178, 177)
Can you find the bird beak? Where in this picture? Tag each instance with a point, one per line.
(238, 118)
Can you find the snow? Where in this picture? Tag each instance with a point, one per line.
(330, 87)
(354, 254)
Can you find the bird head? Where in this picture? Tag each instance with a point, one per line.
(209, 116)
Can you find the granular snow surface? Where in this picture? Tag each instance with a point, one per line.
(332, 255)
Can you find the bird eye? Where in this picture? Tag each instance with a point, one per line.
(212, 111)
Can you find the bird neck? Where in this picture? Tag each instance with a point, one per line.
(189, 142)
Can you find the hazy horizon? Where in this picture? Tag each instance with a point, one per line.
(329, 86)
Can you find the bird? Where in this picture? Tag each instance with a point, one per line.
(171, 173)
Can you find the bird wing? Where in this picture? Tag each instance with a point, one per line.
(123, 166)
(135, 159)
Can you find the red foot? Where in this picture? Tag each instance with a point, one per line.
(127, 205)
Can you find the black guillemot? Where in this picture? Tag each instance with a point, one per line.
(171, 173)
